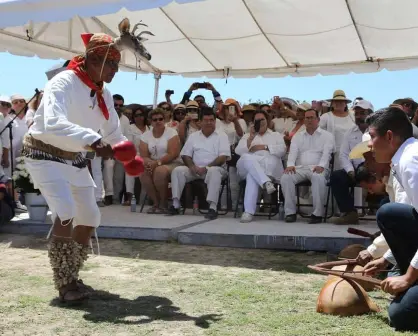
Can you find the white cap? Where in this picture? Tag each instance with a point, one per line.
(55, 70)
(5, 99)
(366, 137)
(364, 104)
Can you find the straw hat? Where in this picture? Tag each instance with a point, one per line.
(192, 104)
(181, 106)
(304, 106)
(339, 95)
(248, 108)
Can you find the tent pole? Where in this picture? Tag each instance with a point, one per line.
(157, 77)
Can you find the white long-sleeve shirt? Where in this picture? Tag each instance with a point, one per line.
(337, 126)
(405, 170)
(271, 159)
(311, 150)
(396, 194)
(70, 119)
(124, 125)
(5, 137)
(351, 138)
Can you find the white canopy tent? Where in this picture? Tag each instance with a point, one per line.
(220, 38)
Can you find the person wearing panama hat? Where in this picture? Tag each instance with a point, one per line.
(408, 105)
(338, 121)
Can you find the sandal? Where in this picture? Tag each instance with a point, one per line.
(160, 211)
(152, 210)
(72, 294)
(84, 288)
(128, 199)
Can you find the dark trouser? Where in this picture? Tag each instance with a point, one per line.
(399, 225)
(340, 184)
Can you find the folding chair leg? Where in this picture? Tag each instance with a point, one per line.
(240, 192)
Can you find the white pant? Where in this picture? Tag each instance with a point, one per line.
(96, 171)
(68, 201)
(113, 175)
(213, 179)
(319, 189)
(249, 169)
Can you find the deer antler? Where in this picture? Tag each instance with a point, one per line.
(136, 27)
(144, 32)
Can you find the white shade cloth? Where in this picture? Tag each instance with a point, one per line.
(217, 38)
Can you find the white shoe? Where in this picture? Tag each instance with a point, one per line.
(246, 217)
(269, 187)
(20, 206)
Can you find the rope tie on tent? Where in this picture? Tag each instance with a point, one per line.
(28, 36)
(227, 74)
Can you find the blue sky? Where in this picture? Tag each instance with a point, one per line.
(23, 74)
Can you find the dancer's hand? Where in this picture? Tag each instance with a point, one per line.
(102, 150)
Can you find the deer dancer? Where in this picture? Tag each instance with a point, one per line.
(76, 114)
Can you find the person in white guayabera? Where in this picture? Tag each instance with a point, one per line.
(260, 163)
(76, 115)
(309, 157)
(204, 154)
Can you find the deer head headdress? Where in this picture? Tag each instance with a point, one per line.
(128, 40)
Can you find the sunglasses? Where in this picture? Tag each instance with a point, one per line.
(192, 110)
(407, 105)
(139, 115)
(180, 111)
(118, 105)
(157, 119)
(17, 101)
(6, 104)
(166, 108)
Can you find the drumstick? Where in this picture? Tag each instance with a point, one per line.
(361, 233)
(343, 275)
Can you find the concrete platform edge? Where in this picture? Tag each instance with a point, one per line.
(329, 244)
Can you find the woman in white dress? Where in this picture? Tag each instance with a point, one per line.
(338, 121)
(160, 149)
(135, 131)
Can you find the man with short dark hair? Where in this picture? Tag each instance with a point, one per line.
(204, 154)
(392, 142)
(343, 180)
(309, 157)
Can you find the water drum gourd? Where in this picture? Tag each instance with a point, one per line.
(342, 294)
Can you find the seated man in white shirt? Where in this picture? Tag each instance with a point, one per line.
(392, 142)
(342, 180)
(260, 163)
(204, 154)
(309, 157)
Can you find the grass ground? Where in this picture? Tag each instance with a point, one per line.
(149, 288)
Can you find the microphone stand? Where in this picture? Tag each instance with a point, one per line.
(10, 127)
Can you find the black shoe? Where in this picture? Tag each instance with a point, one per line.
(315, 220)
(290, 218)
(212, 214)
(108, 200)
(172, 211)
